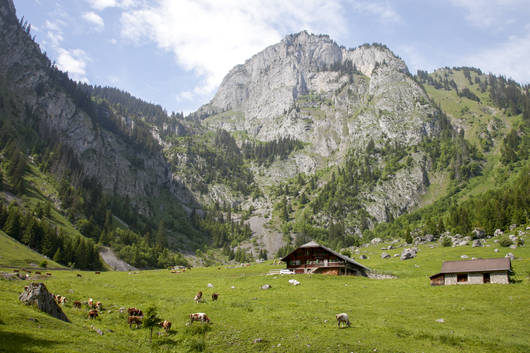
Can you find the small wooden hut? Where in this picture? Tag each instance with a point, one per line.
(315, 258)
(473, 272)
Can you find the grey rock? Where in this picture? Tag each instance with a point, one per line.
(477, 243)
(510, 255)
(408, 253)
(498, 232)
(496, 250)
(478, 233)
(385, 255)
(464, 256)
(363, 257)
(440, 321)
(37, 294)
(266, 286)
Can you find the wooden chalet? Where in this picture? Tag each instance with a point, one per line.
(473, 272)
(315, 258)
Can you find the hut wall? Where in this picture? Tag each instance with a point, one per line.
(450, 278)
(329, 271)
(475, 278)
(438, 280)
(500, 277)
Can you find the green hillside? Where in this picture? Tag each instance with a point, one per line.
(13, 253)
(394, 315)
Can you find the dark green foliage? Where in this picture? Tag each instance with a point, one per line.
(264, 153)
(446, 242)
(465, 92)
(221, 228)
(505, 242)
(151, 319)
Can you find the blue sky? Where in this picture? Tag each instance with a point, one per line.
(176, 52)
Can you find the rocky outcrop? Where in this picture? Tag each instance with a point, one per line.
(37, 294)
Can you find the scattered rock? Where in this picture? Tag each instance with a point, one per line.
(364, 257)
(233, 287)
(498, 232)
(495, 240)
(396, 255)
(513, 226)
(385, 255)
(496, 250)
(478, 233)
(510, 255)
(37, 294)
(464, 257)
(440, 320)
(513, 246)
(99, 332)
(294, 282)
(375, 241)
(266, 286)
(210, 285)
(258, 340)
(477, 243)
(408, 253)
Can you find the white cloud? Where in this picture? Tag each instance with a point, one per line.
(384, 12)
(74, 62)
(94, 19)
(210, 37)
(103, 4)
(492, 13)
(509, 58)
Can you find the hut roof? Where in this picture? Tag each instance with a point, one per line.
(314, 244)
(478, 265)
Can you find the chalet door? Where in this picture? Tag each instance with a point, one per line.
(325, 262)
(486, 277)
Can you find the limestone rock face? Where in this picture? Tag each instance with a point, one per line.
(37, 294)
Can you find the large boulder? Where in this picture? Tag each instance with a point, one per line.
(385, 255)
(477, 243)
(408, 253)
(498, 232)
(37, 294)
(478, 233)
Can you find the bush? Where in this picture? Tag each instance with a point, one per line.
(447, 242)
(44, 264)
(505, 241)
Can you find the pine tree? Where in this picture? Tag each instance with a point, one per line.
(13, 225)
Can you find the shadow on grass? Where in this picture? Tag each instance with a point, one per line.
(23, 343)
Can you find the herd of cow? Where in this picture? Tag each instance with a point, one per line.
(135, 315)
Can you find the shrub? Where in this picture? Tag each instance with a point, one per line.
(44, 264)
(447, 242)
(505, 241)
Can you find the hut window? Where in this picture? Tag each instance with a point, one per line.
(461, 277)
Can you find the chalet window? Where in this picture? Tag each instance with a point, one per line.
(461, 277)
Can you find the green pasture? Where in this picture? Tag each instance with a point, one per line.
(395, 315)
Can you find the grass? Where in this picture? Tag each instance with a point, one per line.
(388, 315)
(13, 253)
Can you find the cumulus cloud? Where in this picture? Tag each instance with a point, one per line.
(210, 37)
(103, 4)
(94, 19)
(74, 62)
(509, 58)
(493, 13)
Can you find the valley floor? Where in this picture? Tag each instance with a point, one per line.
(398, 315)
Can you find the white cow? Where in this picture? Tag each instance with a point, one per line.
(343, 318)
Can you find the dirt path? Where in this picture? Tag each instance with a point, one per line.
(113, 261)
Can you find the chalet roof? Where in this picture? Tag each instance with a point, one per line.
(479, 265)
(314, 244)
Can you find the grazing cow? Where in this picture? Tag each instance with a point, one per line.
(343, 318)
(215, 296)
(97, 272)
(59, 299)
(135, 312)
(77, 304)
(166, 325)
(48, 274)
(37, 272)
(99, 306)
(134, 320)
(16, 271)
(202, 317)
(92, 314)
(198, 297)
(90, 303)
(79, 275)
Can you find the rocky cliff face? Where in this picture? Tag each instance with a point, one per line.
(104, 155)
(335, 100)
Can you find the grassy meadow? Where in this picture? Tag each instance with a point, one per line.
(395, 315)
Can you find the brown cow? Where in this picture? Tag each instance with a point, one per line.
(215, 296)
(16, 271)
(198, 297)
(48, 274)
(77, 304)
(135, 312)
(202, 317)
(99, 306)
(79, 275)
(90, 303)
(93, 314)
(166, 325)
(97, 272)
(37, 272)
(134, 320)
